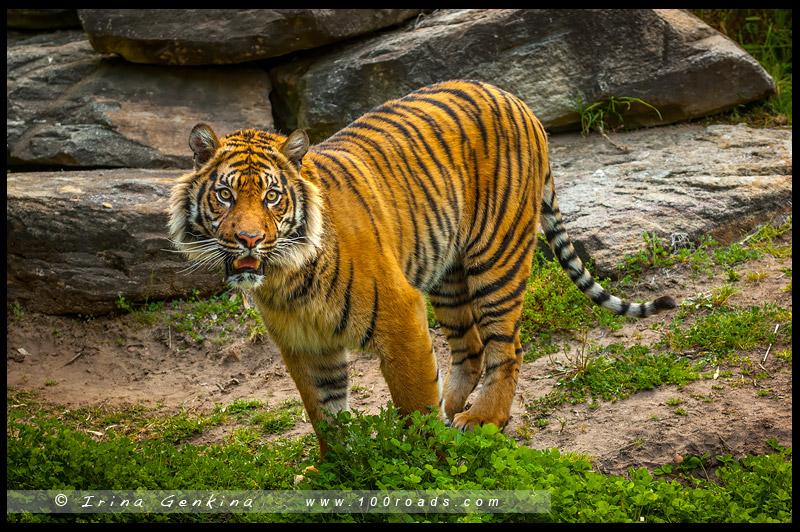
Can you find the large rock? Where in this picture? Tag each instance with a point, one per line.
(549, 58)
(225, 36)
(68, 107)
(78, 240)
(681, 180)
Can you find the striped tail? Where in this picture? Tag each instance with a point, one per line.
(562, 248)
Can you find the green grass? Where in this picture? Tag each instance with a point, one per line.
(723, 332)
(704, 325)
(199, 319)
(380, 452)
(613, 373)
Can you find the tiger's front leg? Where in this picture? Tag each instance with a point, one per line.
(323, 384)
(408, 363)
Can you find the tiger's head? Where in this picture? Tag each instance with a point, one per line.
(249, 205)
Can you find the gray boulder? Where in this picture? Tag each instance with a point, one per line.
(224, 36)
(77, 241)
(687, 180)
(69, 107)
(548, 57)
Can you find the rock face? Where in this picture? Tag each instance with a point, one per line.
(718, 180)
(667, 58)
(225, 36)
(78, 240)
(69, 107)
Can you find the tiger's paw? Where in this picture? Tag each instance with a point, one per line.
(466, 420)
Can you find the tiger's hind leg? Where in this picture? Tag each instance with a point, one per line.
(497, 294)
(453, 309)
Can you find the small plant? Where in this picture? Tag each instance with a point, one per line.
(786, 355)
(613, 373)
(215, 318)
(699, 301)
(145, 314)
(16, 312)
(735, 254)
(525, 431)
(279, 420)
(756, 277)
(763, 239)
(606, 114)
(432, 321)
(720, 296)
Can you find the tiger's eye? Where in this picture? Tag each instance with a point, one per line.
(272, 195)
(224, 193)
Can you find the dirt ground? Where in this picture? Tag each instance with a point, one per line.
(113, 361)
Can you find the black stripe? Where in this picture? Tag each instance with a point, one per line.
(601, 298)
(333, 397)
(371, 329)
(504, 246)
(501, 281)
(335, 277)
(455, 331)
(339, 381)
(493, 367)
(470, 356)
(585, 284)
(346, 304)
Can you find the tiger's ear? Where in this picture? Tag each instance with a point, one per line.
(296, 146)
(204, 143)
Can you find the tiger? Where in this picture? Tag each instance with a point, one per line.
(440, 192)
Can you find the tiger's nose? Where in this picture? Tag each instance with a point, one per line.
(249, 240)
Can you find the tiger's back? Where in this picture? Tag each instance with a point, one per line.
(439, 172)
(440, 191)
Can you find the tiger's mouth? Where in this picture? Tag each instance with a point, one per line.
(245, 265)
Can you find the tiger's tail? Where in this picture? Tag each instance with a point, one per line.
(556, 234)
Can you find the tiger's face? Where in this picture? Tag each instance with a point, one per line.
(247, 206)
